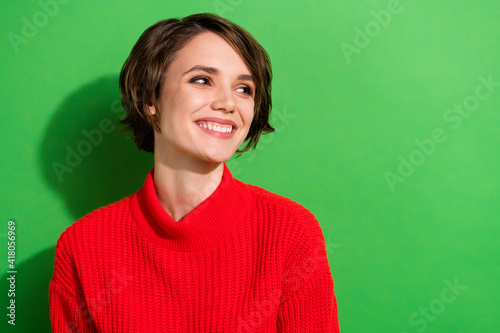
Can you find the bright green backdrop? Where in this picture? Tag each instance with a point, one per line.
(387, 120)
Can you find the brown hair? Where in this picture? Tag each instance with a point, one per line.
(142, 75)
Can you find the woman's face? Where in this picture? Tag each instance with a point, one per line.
(207, 102)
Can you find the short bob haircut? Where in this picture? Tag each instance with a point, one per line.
(143, 74)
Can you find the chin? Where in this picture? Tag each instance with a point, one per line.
(217, 156)
(218, 159)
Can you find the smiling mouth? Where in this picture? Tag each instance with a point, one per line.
(216, 127)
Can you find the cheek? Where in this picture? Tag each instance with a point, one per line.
(188, 102)
(249, 113)
(181, 106)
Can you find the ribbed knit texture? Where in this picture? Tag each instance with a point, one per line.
(244, 260)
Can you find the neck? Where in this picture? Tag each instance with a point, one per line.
(182, 184)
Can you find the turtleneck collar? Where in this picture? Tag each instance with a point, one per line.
(208, 223)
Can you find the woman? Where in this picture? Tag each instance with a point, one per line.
(195, 250)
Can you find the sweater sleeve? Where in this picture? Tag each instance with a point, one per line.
(67, 314)
(68, 308)
(308, 302)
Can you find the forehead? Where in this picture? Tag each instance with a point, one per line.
(208, 49)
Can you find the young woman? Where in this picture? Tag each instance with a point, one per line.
(195, 250)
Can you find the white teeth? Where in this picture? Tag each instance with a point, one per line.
(217, 127)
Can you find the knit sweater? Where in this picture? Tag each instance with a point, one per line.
(244, 260)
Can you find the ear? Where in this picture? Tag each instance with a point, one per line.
(151, 110)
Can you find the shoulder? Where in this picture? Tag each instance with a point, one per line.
(286, 210)
(95, 222)
(300, 234)
(276, 200)
(78, 244)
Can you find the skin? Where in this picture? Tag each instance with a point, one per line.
(188, 161)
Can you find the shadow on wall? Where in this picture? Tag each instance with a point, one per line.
(84, 158)
(32, 294)
(89, 164)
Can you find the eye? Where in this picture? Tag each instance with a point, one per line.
(200, 80)
(246, 90)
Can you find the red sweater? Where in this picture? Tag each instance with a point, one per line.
(244, 260)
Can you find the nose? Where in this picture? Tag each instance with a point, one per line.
(224, 99)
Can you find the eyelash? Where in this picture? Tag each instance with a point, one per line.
(249, 90)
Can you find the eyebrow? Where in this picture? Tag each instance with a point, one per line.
(213, 70)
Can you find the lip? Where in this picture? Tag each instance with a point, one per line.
(221, 121)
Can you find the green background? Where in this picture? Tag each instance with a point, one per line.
(345, 121)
